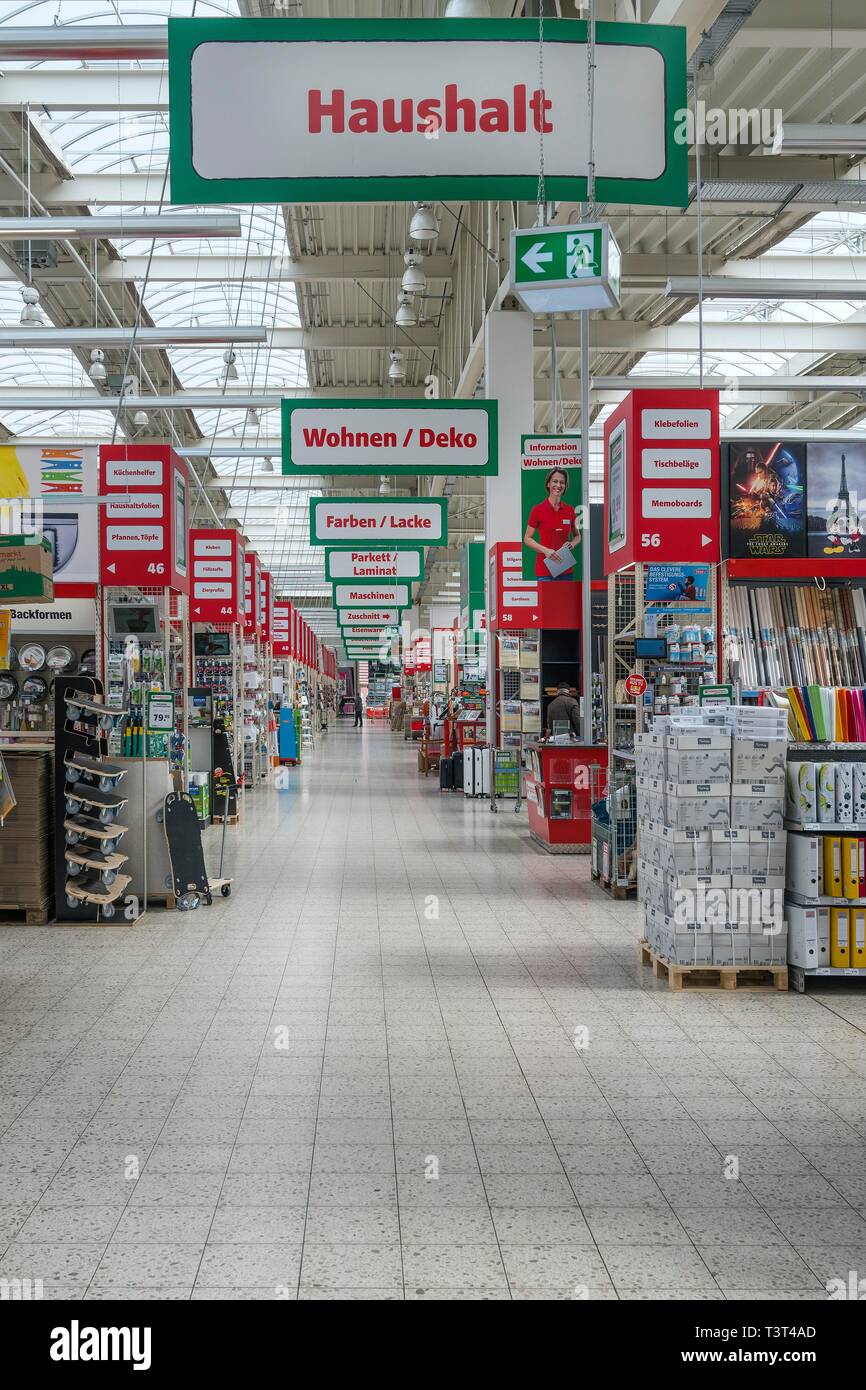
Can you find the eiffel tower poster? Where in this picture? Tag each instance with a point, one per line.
(836, 499)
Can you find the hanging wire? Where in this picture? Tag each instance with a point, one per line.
(541, 197)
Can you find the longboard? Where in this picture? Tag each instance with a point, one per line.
(85, 794)
(91, 890)
(108, 773)
(78, 826)
(185, 853)
(103, 864)
(79, 707)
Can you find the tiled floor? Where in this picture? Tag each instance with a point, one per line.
(357, 1078)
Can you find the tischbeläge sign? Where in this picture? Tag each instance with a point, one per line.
(371, 110)
(398, 521)
(374, 566)
(389, 437)
(372, 595)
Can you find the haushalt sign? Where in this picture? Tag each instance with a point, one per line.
(369, 110)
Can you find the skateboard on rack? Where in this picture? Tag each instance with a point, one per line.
(189, 881)
(106, 773)
(106, 804)
(80, 708)
(90, 889)
(97, 861)
(109, 836)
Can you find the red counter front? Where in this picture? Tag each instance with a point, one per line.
(558, 794)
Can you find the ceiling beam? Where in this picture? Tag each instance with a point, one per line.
(623, 335)
(231, 269)
(30, 338)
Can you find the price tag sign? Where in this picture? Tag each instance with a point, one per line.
(635, 684)
(159, 716)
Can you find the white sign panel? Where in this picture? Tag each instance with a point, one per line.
(146, 505)
(373, 564)
(350, 520)
(65, 615)
(57, 475)
(678, 502)
(366, 617)
(432, 437)
(676, 463)
(371, 596)
(134, 538)
(675, 423)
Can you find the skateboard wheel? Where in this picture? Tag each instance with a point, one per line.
(159, 817)
(168, 881)
(106, 815)
(106, 722)
(71, 775)
(72, 868)
(226, 890)
(108, 877)
(71, 713)
(72, 837)
(109, 845)
(72, 805)
(71, 901)
(108, 910)
(105, 784)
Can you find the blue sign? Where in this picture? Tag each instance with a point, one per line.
(672, 583)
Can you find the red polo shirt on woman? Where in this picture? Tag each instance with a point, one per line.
(554, 528)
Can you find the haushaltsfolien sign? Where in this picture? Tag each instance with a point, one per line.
(398, 522)
(379, 436)
(374, 566)
(375, 110)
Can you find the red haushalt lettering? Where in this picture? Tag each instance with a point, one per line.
(494, 115)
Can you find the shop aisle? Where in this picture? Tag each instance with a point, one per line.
(358, 1078)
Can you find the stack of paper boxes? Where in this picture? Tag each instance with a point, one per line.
(711, 871)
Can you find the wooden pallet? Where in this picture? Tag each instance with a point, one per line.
(26, 914)
(229, 820)
(740, 977)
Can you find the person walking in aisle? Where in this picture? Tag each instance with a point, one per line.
(359, 712)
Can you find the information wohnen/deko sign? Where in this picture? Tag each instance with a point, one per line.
(379, 436)
(350, 522)
(371, 110)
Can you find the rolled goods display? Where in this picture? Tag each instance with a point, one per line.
(797, 635)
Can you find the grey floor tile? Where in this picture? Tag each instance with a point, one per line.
(328, 1266)
(748, 1266)
(238, 1265)
(443, 1266)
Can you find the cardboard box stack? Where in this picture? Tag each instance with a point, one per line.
(711, 871)
(27, 838)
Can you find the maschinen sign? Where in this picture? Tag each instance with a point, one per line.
(371, 110)
(399, 521)
(372, 595)
(388, 437)
(372, 566)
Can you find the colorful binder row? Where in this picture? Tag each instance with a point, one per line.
(844, 866)
(848, 937)
(821, 714)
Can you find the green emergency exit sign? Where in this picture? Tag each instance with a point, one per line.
(564, 269)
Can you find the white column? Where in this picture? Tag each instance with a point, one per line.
(508, 379)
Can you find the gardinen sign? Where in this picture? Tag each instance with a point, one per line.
(370, 110)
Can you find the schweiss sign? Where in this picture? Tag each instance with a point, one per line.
(376, 110)
(373, 566)
(401, 521)
(386, 437)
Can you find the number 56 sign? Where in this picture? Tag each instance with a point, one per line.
(144, 521)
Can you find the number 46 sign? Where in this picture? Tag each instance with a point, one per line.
(144, 520)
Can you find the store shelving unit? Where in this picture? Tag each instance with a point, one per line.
(824, 752)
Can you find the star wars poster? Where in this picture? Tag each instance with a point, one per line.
(836, 500)
(766, 489)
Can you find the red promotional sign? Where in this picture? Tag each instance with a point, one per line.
(266, 590)
(513, 602)
(144, 525)
(252, 593)
(635, 684)
(662, 479)
(217, 580)
(282, 628)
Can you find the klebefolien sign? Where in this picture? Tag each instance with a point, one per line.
(370, 110)
(379, 436)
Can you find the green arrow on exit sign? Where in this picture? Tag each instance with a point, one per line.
(562, 269)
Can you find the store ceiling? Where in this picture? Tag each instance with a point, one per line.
(324, 279)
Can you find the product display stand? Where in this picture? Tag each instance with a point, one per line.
(88, 807)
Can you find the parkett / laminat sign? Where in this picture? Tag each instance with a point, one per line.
(389, 437)
(278, 110)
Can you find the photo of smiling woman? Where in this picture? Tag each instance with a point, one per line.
(556, 524)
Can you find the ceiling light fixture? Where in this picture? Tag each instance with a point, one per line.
(424, 227)
(253, 419)
(230, 372)
(384, 486)
(819, 139)
(96, 370)
(172, 225)
(414, 280)
(139, 419)
(396, 371)
(406, 315)
(467, 9)
(30, 313)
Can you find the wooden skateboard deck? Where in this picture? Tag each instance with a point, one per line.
(88, 795)
(91, 890)
(95, 767)
(99, 830)
(96, 859)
